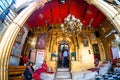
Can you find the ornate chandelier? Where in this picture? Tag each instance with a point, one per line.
(71, 25)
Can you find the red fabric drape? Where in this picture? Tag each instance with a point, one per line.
(111, 54)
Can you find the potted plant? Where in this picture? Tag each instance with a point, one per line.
(53, 56)
(73, 55)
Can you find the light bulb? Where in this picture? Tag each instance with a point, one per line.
(62, 25)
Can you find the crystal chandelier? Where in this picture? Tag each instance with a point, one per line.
(71, 25)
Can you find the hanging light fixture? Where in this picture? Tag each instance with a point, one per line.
(71, 25)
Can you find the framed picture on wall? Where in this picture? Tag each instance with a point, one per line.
(41, 41)
(85, 43)
(92, 35)
(40, 54)
(85, 40)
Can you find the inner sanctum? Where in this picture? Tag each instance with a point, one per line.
(76, 39)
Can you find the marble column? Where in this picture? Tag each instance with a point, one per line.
(11, 34)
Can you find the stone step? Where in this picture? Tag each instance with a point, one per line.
(63, 76)
(61, 72)
(62, 79)
(63, 69)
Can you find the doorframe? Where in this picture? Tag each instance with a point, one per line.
(60, 52)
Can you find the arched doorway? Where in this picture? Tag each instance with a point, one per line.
(61, 61)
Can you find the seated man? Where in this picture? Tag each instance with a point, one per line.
(29, 71)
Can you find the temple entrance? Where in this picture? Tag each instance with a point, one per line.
(63, 55)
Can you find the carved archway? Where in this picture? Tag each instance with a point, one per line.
(12, 31)
(55, 43)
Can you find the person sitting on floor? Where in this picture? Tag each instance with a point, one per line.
(29, 71)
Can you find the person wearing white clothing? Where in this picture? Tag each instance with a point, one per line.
(65, 55)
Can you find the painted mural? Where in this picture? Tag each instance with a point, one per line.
(41, 41)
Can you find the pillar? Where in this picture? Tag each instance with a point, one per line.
(11, 34)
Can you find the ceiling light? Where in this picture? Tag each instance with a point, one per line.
(71, 25)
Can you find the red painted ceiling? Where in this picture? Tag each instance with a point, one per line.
(55, 12)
